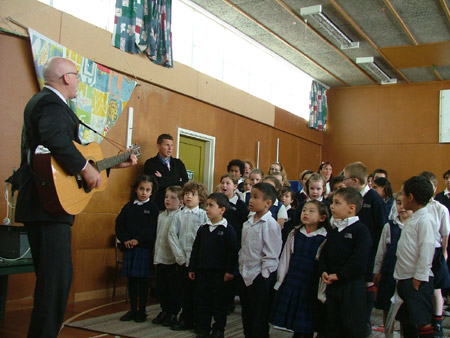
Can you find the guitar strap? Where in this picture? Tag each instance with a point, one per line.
(115, 144)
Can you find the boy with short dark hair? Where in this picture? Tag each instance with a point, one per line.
(213, 260)
(258, 261)
(415, 251)
(343, 265)
(440, 215)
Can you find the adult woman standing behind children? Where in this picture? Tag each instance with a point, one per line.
(136, 230)
(326, 170)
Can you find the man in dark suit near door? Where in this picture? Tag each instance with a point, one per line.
(48, 121)
(167, 170)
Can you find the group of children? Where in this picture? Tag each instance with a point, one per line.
(307, 263)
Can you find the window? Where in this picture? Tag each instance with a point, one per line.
(210, 46)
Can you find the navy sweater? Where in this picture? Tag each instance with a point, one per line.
(373, 215)
(236, 215)
(138, 222)
(346, 253)
(214, 251)
(441, 198)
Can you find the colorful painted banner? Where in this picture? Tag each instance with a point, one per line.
(102, 93)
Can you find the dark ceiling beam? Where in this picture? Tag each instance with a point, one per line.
(248, 16)
(400, 20)
(338, 50)
(446, 9)
(366, 37)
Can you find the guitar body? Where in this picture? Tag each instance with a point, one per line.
(63, 193)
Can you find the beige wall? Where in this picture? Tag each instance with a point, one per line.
(391, 127)
(165, 100)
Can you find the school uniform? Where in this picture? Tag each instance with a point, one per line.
(182, 233)
(295, 305)
(373, 215)
(258, 260)
(345, 253)
(138, 220)
(441, 219)
(166, 268)
(214, 253)
(385, 263)
(301, 196)
(289, 225)
(236, 215)
(278, 210)
(415, 251)
(444, 198)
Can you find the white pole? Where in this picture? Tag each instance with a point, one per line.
(278, 149)
(130, 127)
(258, 144)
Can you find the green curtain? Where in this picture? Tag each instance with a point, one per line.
(144, 26)
(318, 106)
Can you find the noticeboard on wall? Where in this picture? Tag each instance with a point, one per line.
(444, 116)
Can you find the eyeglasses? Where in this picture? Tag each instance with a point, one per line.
(348, 178)
(74, 73)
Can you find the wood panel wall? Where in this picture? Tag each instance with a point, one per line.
(156, 110)
(391, 127)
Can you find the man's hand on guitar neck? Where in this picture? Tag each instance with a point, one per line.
(91, 176)
(132, 161)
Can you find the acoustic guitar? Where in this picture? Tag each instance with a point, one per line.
(62, 193)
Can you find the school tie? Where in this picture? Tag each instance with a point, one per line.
(168, 164)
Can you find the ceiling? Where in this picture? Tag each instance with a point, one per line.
(409, 39)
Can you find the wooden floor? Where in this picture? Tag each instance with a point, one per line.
(15, 324)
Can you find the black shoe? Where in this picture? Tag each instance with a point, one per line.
(130, 315)
(160, 318)
(217, 334)
(140, 317)
(169, 320)
(202, 332)
(181, 326)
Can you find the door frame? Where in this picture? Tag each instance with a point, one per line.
(210, 148)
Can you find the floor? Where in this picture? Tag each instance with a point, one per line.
(15, 323)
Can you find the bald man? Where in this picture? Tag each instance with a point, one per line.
(49, 121)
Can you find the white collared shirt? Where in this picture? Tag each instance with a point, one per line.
(261, 247)
(341, 224)
(446, 193)
(415, 249)
(385, 239)
(213, 226)
(163, 252)
(182, 232)
(136, 201)
(56, 91)
(364, 190)
(234, 199)
(439, 214)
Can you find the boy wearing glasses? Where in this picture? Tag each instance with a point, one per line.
(373, 215)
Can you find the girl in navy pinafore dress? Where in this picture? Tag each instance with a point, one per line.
(296, 306)
(136, 229)
(386, 258)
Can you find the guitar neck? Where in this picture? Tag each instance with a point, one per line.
(110, 162)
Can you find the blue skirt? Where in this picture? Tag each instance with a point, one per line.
(295, 303)
(137, 262)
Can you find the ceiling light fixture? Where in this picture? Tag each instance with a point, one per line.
(369, 64)
(315, 12)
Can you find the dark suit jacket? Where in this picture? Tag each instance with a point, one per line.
(176, 176)
(48, 121)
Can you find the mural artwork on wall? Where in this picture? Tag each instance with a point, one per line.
(102, 93)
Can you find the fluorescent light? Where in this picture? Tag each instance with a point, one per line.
(315, 12)
(369, 64)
